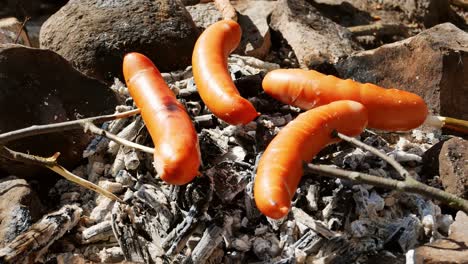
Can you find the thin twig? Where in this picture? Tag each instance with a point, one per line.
(94, 129)
(402, 171)
(447, 122)
(26, 19)
(460, 3)
(407, 185)
(51, 163)
(59, 127)
(379, 29)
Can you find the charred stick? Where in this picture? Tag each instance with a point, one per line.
(31, 245)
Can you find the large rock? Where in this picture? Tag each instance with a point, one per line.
(253, 14)
(19, 208)
(451, 250)
(315, 39)
(95, 34)
(252, 17)
(356, 12)
(40, 87)
(448, 159)
(432, 64)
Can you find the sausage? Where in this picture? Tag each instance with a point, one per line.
(389, 109)
(176, 154)
(281, 166)
(212, 78)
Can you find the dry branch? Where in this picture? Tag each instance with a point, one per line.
(379, 29)
(402, 171)
(408, 185)
(60, 127)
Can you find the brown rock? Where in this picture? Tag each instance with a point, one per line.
(431, 64)
(355, 12)
(453, 249)
(252, 17)
(453, 166)
(9, 29)
(40, 87)
(95, 34)
(449, 160)
(19, 208)
(427, 12)
(256, 39)
(315, 39)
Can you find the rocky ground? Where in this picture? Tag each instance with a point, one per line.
(66, 64)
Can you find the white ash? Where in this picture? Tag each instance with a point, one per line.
(120, 88)
(266, 247)
(125, 178)
(113, 187)
(175, 76)
(102, 210)
(99, 232)
(130, 132)
(131, 158)
(312, 197)
(111, 255)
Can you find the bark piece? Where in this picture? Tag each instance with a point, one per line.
(30, 246)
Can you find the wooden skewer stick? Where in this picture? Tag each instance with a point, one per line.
(458, 125)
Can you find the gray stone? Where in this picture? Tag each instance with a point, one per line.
(204, 14)
(40, 87)
(431, 64)
(95, 34)
(315, 39)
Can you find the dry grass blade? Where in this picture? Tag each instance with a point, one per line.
(51, 163)
(82, 182)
